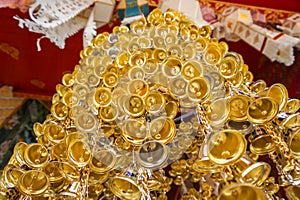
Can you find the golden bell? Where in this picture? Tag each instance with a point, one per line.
(102, 161)
(138, 87)
(154, 102)
(184, 33)
(59, 110)
(212, 55)
(228, 66)
(152, 155)
(244, 127)
(217, 80)
(248, 78)
(189, 51)
(36, 155)
(226, 147)
(293, 192)
(169, 16)
(292, 106)
(294, 144)
(201, 44)
(192, 69)
(81, 90)
(102, 97)
(150, 66)
(171, 67)
(148, 53)
(71, 192)
(132, 46)
(262, 145)
(205, 31)
(42, 139)
(68, 98)
(154, 15)
(242, 191)
(194, 34)
(237, 79)
(120, 29)
(38, 129)
(86, 122)
(252, 172)
(137, 59)
(125, 187)
(134, 131)
(224, 47)
(52, 169)
(136, 73)
(198, 89)
(54, 132)
(80, 77)
(33, 183)
(144, 42)
(92, 80)
(161, 30)
(110, 79)
(122, 60)
(204, 165)
(279, 93)
(163, 129)
(79, 153)
(175, 51)
(238, 107)
(61, 89)
(159, 55)
(59, 151)
(178, 87)
(97, 178)
(94, 191)
(69, 172)
(134, 105)
(262, 110)
(292, 122)
(258, 86)
(171, 39)
(171, 108)
(109, 113)
(217, 112)
(67, 79)
(11, 175)
(158, 42)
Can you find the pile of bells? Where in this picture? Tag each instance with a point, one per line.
(159, 105)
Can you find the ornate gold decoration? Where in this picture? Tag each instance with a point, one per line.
(157, 106)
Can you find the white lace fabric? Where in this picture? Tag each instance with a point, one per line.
(51, 13)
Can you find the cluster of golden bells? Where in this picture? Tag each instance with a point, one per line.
(156, 106)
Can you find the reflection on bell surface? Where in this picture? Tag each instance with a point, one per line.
(226, 147)
(262, 145)
(252, 172)
(242, 191)
(152, 155)
(262, 110)
(125, 187)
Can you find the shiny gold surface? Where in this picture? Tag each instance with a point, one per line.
(240, 191)
(262, 110)
(226, 147)
(262, 145)
(125, 188)
(33, 183)
(158, 106)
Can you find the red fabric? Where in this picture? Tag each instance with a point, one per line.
(35, 74)
(291, 5)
